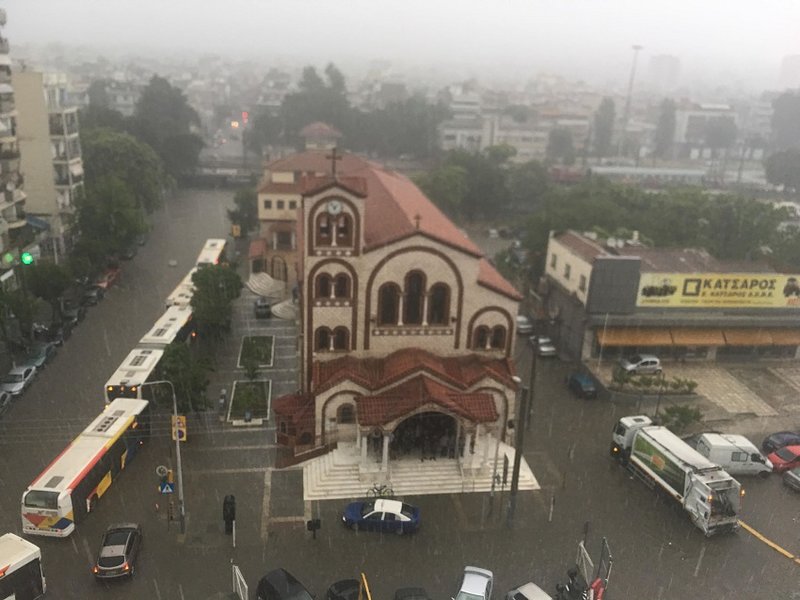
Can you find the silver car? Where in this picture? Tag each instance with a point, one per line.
(543, 345)
(792, 478)
(529, 591)
(476, 584)
(17, 380)
(641, 364)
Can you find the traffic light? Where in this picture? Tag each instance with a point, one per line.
(26, 258)
(245, 117)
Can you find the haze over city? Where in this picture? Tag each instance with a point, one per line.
(725, 41)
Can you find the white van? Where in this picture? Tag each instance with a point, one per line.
(734, 453)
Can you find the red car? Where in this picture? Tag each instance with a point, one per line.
(785, 458)
(105, 280)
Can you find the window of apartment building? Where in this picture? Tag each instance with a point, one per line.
(281, 204)
(292, 204)
(267, 204)
(553, 260)
(582, 283)
(567, 271)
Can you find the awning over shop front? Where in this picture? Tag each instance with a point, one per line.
(785, 337)
(634, 336)
(697, 336)
(748, 337)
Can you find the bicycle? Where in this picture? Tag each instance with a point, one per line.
(380, 491)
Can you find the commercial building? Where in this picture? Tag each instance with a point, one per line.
(612, 297)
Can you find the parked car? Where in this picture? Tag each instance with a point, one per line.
(582, 385)
(17, 380)
(55, 333)
(476, 584)
(39, 355)
(785, 458)
(411, 593)
(92, 295)
(543, 345)
(279, 584)
(108, 277)
(493, 234)
(524, 325)
(71, 313)
(382, 515)
(262, 308)
(345, 589)
(5, 402)
(528, 591)
(779, 439)
(641, 364)
(792, 478)
(119, 549)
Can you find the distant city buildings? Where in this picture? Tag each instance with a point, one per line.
(790, 72)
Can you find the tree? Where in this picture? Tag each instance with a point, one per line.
(446, 186)
(783, 168)
(48, 281)
(109, 153)
(164, 119)
(245, 215)
(665, 129)
(93, 117)
(786, 121)
(720, 134)
(603, 127)
(486, 189)
(98, 94)
(527, 184)
(215, 288)
(265, 129)
(559, 146)
(187, 373)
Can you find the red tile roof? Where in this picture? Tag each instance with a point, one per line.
(377, 373)
(416, 393)
(298, 408)
(489, 276)
(582, 246)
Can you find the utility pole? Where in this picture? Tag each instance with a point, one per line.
(626, 113)
(531, 386)
(512, 498)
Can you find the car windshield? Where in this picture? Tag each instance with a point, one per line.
(116, 538)
(786, 454)
(407, 510)
(41, 499)
(367, 508)
(13, 378)
(109, 562)
(634, 359)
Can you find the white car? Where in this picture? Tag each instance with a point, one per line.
(17, 380)
(524, 325)
(529, 591)
(544, 345)
(476, 584)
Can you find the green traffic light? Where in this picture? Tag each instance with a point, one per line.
(26, 258)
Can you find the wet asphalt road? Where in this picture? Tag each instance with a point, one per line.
(657, 552)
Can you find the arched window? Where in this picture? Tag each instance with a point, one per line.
(323, 287)
(439, 304)
(344, 230)
(388, 300)
(341, 338)
(498, 340)
(481, 336)
(346, 414)
(341, 286)
(322, 339)
(414, 296)
(323, 230)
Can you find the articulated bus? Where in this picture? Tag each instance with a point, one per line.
(21, 576)
(175, 325)
(213, 253)
(182, 295)
(69, 488)
(138, 367)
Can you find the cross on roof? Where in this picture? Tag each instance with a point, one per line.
(334, 157)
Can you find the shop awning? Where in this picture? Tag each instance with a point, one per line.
(748, 337)
(634, 336)
(785, 337)
(697, 336)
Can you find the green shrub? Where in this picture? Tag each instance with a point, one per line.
(678, 417)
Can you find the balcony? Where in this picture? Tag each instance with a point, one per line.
(9, 165)
(5, 74)
(4, 47)
(59, 128)
(7, 104)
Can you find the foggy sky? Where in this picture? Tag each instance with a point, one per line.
(578, 37)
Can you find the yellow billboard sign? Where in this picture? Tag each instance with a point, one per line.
(719, 290)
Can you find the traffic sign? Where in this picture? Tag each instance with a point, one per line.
(167, 487)
(179, 428)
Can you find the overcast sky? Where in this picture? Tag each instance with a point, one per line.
(579, 37)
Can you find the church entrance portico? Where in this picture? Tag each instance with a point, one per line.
(425, 436)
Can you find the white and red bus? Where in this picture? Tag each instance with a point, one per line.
(139, 367)
(213, 253)
(21, 576)
(69, 488)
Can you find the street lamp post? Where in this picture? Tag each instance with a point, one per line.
(626, 114)
(181, 503)
(520, 430)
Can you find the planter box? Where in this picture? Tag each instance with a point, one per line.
(260, 409)
(260, 347)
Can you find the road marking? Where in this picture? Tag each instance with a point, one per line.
(770, 543)
(700, 560)
(297, 519)
(230, 471)
(265, 506)
(255, 447)
(157, 592)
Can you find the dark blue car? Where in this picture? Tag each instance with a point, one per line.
(582, 385)
(389, 516)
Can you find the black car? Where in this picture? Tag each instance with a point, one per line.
(411, 593)
(5, 402)
(582, 385)
(262, 308)
(92, 295)
(345, 589)
(55, 333)
(279, 584)
(72, 313)
(118, 551)
(776, 441)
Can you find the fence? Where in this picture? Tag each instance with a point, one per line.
(239, 586)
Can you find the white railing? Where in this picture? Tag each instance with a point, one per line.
(238, 584)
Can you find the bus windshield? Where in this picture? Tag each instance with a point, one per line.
(41, 499)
